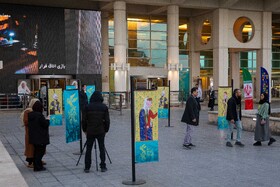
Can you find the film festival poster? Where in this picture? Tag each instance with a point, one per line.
(146, 126)
(72, 115)
(163, 103)
(89, 91)
(55, 106)
(224, 93)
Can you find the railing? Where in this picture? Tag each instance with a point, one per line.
(116, 100)
(13, 101)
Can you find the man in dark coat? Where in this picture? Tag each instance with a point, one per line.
(96, 123)
(234, 117)
(83, 99)
(191, 117)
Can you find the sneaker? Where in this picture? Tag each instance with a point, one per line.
(271, 140)
(103, 169)
(240, 144)
(187, 146)
(86, 170)
(258, 143)
(192, 145)
(228, 144)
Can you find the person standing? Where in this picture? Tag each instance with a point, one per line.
(199, 96)
(190, 117)
(233, 117)
(211, 99)
(262, 131)
(95, 124)
(38, 134)
(83, 99)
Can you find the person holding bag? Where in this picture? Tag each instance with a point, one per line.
(262, 131)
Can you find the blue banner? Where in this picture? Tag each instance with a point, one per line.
(72, 115)
(264, 81)
(89, 91)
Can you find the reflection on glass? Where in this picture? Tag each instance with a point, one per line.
(206, 32)
(243, 29)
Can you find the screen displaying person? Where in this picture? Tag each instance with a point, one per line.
(23, 88)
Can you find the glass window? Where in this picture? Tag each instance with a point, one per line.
(141, 44)
(134, 25)
(158, 36)
(158, 45)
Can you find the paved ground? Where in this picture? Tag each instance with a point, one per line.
(210, 163)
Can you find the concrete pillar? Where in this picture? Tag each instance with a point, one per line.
(264, 54)
(173, 44)
(120, 45)
(220, 48)
(235, 69)
(105, 51)
(194, 56)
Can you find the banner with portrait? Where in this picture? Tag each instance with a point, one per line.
(224, 93)
(163, 102)
(55, 106)
(71, 115)
(89, 91)
(146, 126)
(24, 87)
(264, 81)
(247, 89)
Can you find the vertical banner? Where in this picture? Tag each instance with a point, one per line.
(264, 81)
(146, 126)
(247, 89)
(55, 106)
(72, 115)
(163, 94)
(89, 91)
(224, 93)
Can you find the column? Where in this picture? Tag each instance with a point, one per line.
(194, 55)
(235, 69)
(264, 54)
(173, 44)
(120, 76)
(220, 48)
(105, 51)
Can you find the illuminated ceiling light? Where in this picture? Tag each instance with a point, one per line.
(134, 19)
(183, 27)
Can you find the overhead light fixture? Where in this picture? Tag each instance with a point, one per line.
(122, 67)
(175, 67)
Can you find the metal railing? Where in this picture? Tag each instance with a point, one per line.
(116, 100)
(13, 101)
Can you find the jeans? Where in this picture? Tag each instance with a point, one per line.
(188, 137)
(238, 128)
(90, 141)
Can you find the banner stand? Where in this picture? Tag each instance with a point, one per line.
(169, 107)
(134, 181)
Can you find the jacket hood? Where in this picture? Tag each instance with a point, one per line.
(96, 97)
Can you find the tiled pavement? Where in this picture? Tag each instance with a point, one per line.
(209, 164)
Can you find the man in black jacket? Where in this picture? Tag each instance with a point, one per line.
(96, 123)
(191, 117)
(83, 99)
(234, 117)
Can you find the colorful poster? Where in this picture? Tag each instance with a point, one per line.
(89, 91)
(247, 89)
(55, 106)
(70, 87)
(72, 115)
(146, 126)
(163, 102)
(224, 93)
(184, 79)
(264, 81)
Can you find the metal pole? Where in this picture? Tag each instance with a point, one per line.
(169, 104)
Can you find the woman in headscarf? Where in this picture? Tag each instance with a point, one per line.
(262, 131)
(29, 148)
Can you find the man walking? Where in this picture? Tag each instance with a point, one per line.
(234, 117)
(96, 123)
(191, 117)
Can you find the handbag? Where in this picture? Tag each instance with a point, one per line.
(263, 122)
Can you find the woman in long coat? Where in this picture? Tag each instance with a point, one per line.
(262, 131)
(29, 148)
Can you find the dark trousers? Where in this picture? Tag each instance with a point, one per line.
(39, 151)
(90, 140)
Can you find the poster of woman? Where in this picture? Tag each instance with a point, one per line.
(23, 87)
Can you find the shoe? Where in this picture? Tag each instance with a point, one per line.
(192, 145)
(240, 144)
(44, 163)
(30, 165)
(103, 169)
(257, 143)
(40, 169)
(187, 146)
(271, 140)
(228, 144)
(86, 170)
